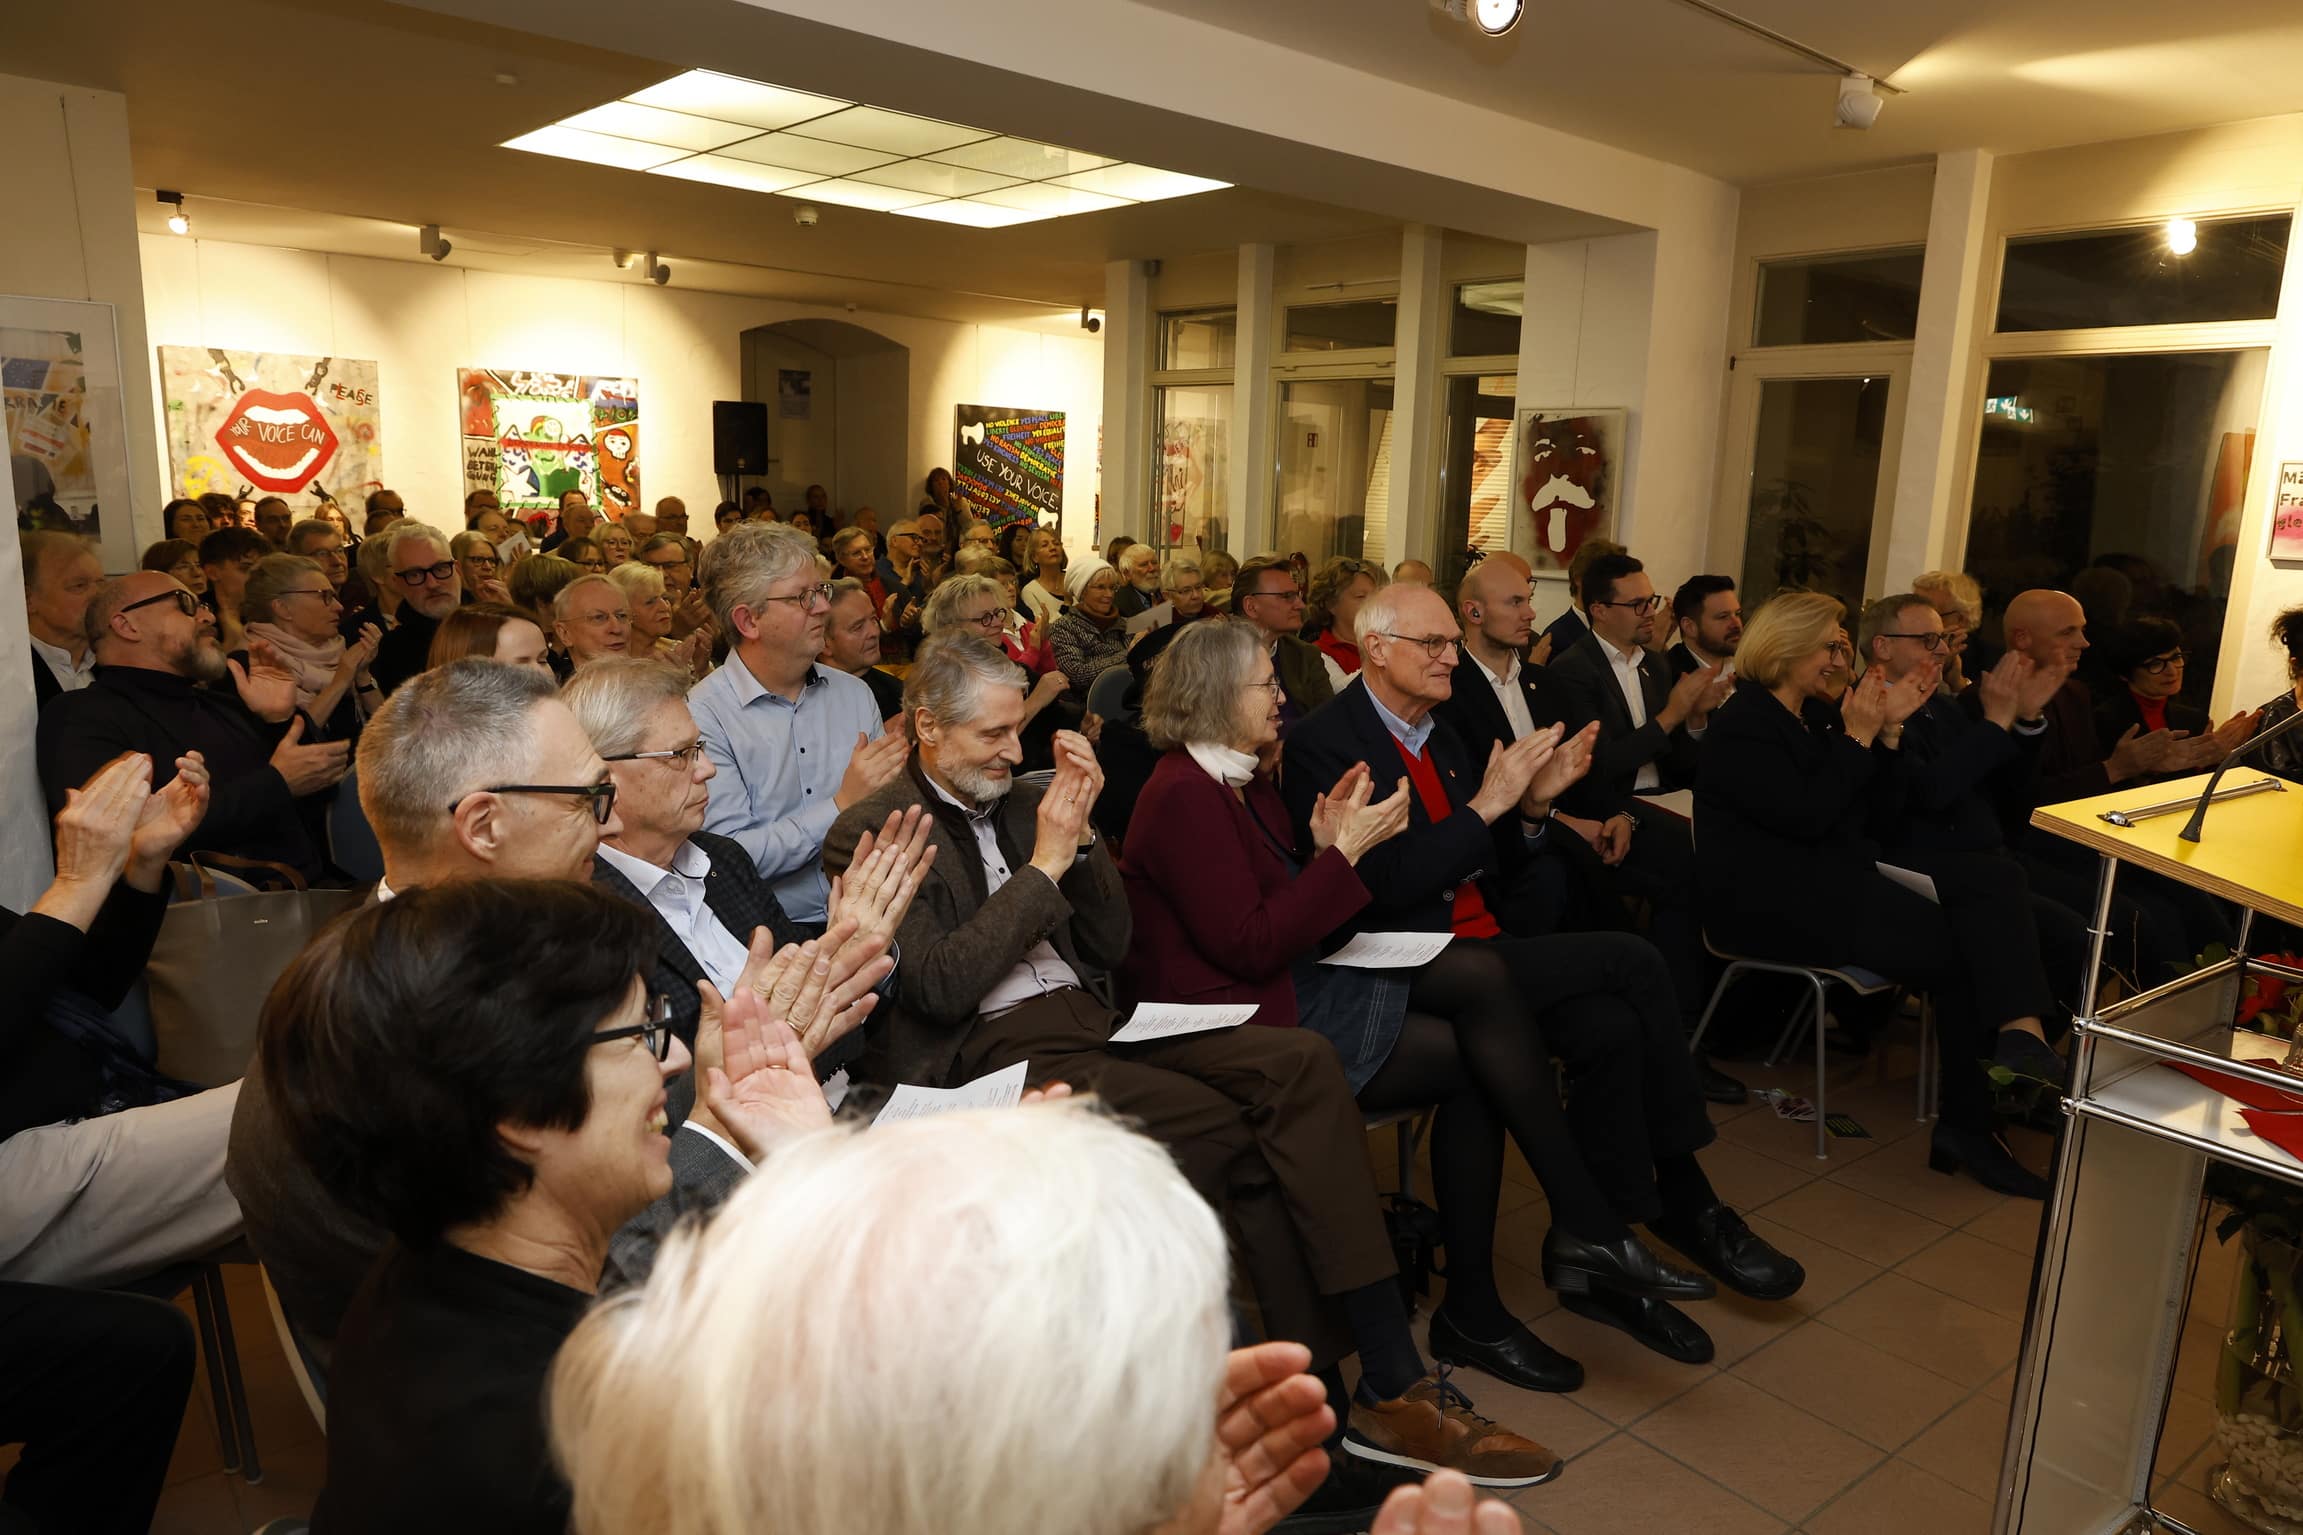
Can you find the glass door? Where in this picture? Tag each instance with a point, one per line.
(1334, 491)
(1475, 477)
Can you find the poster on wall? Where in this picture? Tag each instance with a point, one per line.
(2287, 514)
(533, 437)
(794, 393)
(1564, 468)
(271, 424)
(67, 452)
(1009, 464)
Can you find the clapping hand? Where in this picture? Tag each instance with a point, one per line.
(1444, 1504)
(168, 816)
(94, 833)
(1560, 771)
(757, 1086)
(1271, 1422)
(1540, 655)
(1510, 769)
(266, 684)
(882, 876)
(1329, 810)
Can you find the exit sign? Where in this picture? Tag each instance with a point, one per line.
(2008, 407)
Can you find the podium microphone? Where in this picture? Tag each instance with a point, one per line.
(2190, 832)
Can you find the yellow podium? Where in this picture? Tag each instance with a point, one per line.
(2120, 1234)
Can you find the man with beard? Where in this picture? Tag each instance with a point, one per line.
(163, 687)
(1709, 617)
(421, 568)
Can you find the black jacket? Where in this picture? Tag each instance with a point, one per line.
(45, 1075)
(1952, 771)
(1581, 687)
(405, 651)
(1476, 714)
(251, 814)
(1414, 875)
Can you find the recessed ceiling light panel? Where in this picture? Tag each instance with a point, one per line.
(708, 94)
(1049, 200)
(896, 132)
(653, 125)
(596, 148)
(977, 215)
(1138, 183)
(741, 174)
(795, 153)
(862, 194)
(1024, 159)
(942, 180)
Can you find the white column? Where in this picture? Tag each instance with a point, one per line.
(1127, 446)
(1924, 522)
(1248, 494)
(1417, 412)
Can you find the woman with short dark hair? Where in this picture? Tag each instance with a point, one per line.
(2144, 668)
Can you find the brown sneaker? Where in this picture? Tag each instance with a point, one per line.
(1433, 1428)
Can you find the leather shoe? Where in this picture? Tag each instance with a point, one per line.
(1520, 1358)
(1660, 1325)
(1348, 1501)
(1573, 1265)
(1718, 1086)
(2027, 1055)
(1734, 1254)
(1986, 1158)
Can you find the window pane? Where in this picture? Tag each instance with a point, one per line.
(1873, 296)
(1343, 327)
(1194, 475)
(1335, 468)
(1202, 340)
(2134, 277)
(2119, 480)
(1486, 319)
(1814, 485)
(1475, 486)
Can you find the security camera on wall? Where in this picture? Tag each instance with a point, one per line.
(1091, 320)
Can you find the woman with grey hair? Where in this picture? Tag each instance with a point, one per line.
(650, 604)
(1225, 912)
(291, 607)
(977, 605)
(1083, 1245)
(1091, 639)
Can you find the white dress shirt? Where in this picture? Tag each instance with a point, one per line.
(677, 894)
(1042, 970)
(1508, 693)
(1625, 665)
(70, 675)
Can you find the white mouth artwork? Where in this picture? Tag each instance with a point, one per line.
(249, 461)
(1559, 490)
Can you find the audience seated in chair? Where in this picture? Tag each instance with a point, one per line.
(2283, 756)
(1006, 956)
(975, 605)
(852, 644)
(592, 619)
(1601, 1002)
(1092, 637)
(419, 566)
(1707, 616)
(1265, 594)
(290, 606)
(1331, 613)
(61, 572)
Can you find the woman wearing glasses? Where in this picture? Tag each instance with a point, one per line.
(500, 1121)
(2143, 665)
(290, 605)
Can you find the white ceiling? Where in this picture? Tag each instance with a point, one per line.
(1666, 80)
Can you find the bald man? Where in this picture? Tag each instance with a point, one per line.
(1420, 573)
(672, 516)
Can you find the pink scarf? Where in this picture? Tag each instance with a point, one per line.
(314, 664)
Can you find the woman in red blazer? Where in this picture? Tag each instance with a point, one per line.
(1224, 913)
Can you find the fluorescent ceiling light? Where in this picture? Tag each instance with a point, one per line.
(795, 153)
(653, 125)
(707, 94)
(597, 148)
(1025, 159)
(1048, 200)
(896, 132)
(967, 211)
(861, 194)
(1138, 183)
(741, 174)
(942, 180)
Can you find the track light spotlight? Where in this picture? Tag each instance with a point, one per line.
(655, 271)
(178, 224)
(1859, 102)
(429, 242)
(2182, 236)
(622, 258)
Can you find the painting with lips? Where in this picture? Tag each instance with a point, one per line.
(307, 428)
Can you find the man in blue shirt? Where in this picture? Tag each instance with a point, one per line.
(795, 743)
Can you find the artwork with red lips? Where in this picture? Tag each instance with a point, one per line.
(281, 442)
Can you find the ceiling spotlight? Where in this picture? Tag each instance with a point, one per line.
(622, 258)
(429, 242)
(2182, 236)
(1091, 320)
(178, 224)
(805, 216)
(655, 271)
(1859, 102)
(1493, 17)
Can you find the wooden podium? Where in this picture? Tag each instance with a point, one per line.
(2120, 1234)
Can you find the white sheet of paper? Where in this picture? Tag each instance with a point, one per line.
(1912, 880)
(1151, 618)
(1164, 1020)
(1390, 951)
(1003, 1089)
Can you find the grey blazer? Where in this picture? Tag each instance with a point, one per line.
(703, 1176)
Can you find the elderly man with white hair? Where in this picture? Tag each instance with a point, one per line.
(1138, 566)
(847, 1422)
(421, 568)
(592, 619)
(795, 742)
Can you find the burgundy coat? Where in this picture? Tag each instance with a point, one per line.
(1220, 913)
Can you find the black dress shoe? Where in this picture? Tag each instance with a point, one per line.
(1733, 1253)
(1573, 1265)
(1520, 1358)
(1986, 1158)
(2027, 1055)
(1718, 1086)
(1660, 1325)
(1348, 1501)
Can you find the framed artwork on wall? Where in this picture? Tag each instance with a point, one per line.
(532, 437)
(1008, 465)
(1565, 467)
(2287, 513)
(67, 441)
(309, 429)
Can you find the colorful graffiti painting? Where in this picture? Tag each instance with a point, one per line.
(532, 437)
(1008, 465)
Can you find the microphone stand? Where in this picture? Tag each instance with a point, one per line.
(2191, 828)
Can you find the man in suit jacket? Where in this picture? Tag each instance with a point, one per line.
(1265, 594)
(1568, 630)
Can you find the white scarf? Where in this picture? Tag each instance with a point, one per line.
(1230, 768)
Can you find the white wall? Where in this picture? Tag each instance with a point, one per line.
(421, 322)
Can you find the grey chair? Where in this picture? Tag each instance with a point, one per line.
(1107, 695)
(204, 1277)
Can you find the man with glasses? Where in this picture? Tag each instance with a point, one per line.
(794, 742)
(422, 568)
(323, 544)
(1265, 594)
(163, 687)
(905, 575)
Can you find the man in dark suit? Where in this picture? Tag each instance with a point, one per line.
(1637, 1113)
(1570, 628)
(1709, 617)
(1265, 594)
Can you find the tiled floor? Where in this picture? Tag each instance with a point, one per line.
(1873, 1403)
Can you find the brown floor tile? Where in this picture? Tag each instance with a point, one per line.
(2014, 1226)
(1787, 1461)
(1978, 1272)
(292, 1481)
(1854, 1222)
(1901, 1499)
(2197, 1357)
(1625, 1486)
(2188, 1428)
(1746, 1179)
(1789, 1141)
(2001, 1387)
(1966, 1448)
(1927, 1328)
(201, 1506)
(1515, 1197)
(1739, 1326)
(2200, 1512)
(1622, 1381)
(1847, 1382)
(1900, 1175)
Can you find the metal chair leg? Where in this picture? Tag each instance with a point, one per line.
(1792, 1026)
(204, 1309)
(1822, 1142)
(1727, 977)
(224, 1364)
(1928, 1045)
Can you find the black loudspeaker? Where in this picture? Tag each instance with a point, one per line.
(739, 437)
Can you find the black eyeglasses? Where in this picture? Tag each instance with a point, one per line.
(602, 795)
(186, 603)
(488, 560)
(424, 574)
(655, 1031)
(1432, 645)
(1928, 641)
(327, 595)
(2159, 666)
(684, 756)
(1636, 604)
